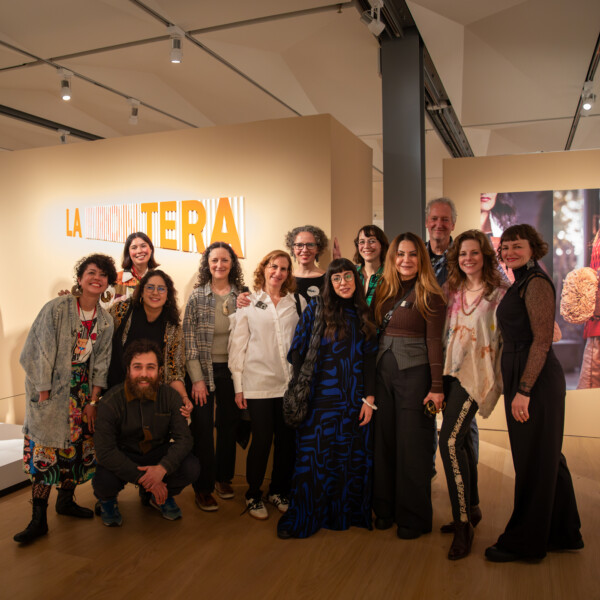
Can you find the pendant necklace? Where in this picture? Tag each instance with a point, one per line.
(474, 305)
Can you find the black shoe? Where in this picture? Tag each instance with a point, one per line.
(65, 505)
(406, 533)
(383, 522)
(463, 539)
(496, 554)
(283, 534)
(38, 526)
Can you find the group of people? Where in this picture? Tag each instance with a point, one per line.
(379, 345)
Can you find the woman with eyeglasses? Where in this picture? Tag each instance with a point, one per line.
(410, 311)
(472, 379)
(206, 327)
(371, 246)
(258, 347)
(331, 485)
(151, 313)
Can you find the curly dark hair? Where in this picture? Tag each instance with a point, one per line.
(170, 309)
(105, 263)
(491, 276)
(127, 263)
(142, 346)
(504, 211)
(236, 277)
(539, 247)
(333, 305)
(371, 231)
(288, 286)
(319, 235)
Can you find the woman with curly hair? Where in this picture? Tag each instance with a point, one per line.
(331, 485)
(545, 516)
(410, 311)
(257, 349)
(65, 358)
(138, 257)
(206, 331)
(472, 379)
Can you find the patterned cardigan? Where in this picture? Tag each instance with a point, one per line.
(173, 349)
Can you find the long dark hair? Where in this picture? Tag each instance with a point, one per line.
(127, 263)
(236, 276)
(490, 274)
(371, 231)
(333, 305)
(170, 309)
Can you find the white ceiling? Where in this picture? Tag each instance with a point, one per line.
(513, 69)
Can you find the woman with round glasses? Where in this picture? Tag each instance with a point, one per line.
(151, 313)
(410, 310)
(371, 246)
(331, 485)
(258, 347)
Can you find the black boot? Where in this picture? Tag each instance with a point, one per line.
(65, 505)
(461, 544)
(38, 525)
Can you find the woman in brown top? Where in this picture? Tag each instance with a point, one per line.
(545, 513)
(410, 312)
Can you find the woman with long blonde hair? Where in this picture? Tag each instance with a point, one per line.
(410, 313)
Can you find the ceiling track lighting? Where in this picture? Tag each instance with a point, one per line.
(372, 18)
(587, 96)
(135, 107)
(176, 34)
(63, 133)
(65, 83)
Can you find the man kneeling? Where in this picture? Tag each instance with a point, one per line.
(142, 438)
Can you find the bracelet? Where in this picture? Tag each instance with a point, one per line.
(365, 401)
(94, 402)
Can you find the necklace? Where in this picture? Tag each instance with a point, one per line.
(474, 305)
(474, 289)
(87, 323)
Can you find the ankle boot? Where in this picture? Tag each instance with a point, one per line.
(461, 544)
(38, 525)
(65, 505)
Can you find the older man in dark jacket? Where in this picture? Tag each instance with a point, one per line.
(142, 438)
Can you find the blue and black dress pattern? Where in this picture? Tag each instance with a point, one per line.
(331, 485)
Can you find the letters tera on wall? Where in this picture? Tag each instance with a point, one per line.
(185, 225)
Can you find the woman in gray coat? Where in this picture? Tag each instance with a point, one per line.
(65, 357)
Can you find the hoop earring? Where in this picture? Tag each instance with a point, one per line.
(106, 296)
(76, 290)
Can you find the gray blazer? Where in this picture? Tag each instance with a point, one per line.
(46, 358)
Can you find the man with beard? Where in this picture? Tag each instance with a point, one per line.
(142, 438)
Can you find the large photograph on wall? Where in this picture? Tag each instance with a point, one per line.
(569, 220)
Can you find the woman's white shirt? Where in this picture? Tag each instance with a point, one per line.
(259, 342)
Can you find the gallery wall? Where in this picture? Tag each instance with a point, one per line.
(466, 178)
(290, 172)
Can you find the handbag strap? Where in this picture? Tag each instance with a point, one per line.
(388, 316)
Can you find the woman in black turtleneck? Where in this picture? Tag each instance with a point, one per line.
(545, 513)
(410, 311)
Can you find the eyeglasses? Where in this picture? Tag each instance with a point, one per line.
(369, 242)
(337, 278)
(308, 246)
(161, 289)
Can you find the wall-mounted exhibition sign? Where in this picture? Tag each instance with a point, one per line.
(185, 225)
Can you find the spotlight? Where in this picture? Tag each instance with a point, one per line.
(133, 116)
(65, 83)
(177, 34)
(63, 133)
(372, 18)
(587, 96)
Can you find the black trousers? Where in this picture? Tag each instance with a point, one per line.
(107, 484)
(545, 510)
(456, 449)
(268, 427)
(219, 465)
(403, 442)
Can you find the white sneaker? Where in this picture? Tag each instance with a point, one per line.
(279, 501)
(256, 508)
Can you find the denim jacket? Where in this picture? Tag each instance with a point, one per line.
(46, 359)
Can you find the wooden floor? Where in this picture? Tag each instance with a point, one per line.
(227, 556)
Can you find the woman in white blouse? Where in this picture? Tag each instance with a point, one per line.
(258, 347)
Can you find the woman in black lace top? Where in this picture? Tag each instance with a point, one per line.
(545, 513)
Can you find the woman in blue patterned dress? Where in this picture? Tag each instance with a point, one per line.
(331, 485)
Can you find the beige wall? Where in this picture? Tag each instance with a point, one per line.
(466, 178)
(290, 172)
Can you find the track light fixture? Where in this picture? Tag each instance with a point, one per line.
(372, 18)
(65, 83)
(63, 133)
(177, 34)
(133, 115)
(587, 96)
